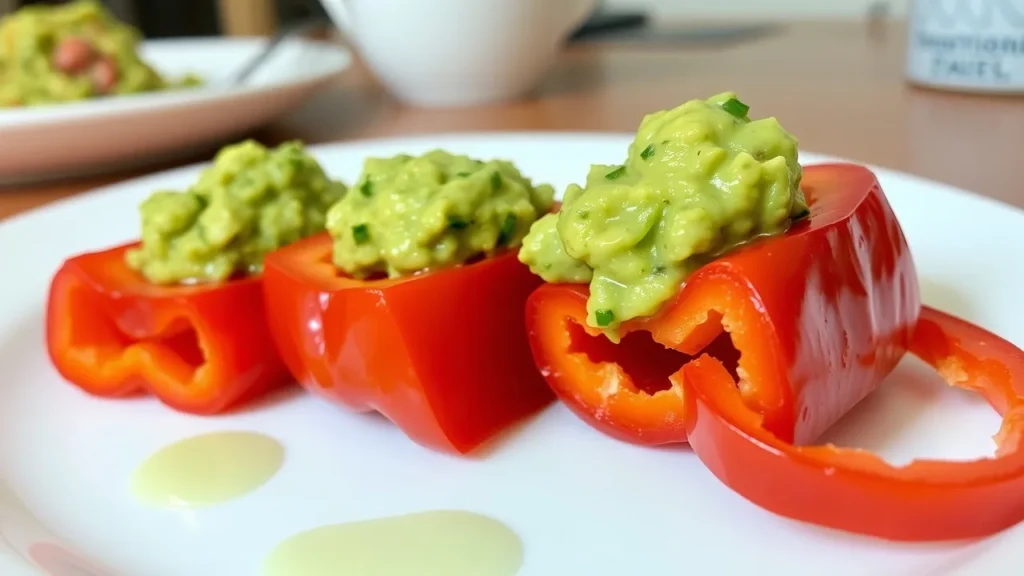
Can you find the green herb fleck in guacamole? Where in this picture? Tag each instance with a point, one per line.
(410, 214)
(250, 202)
(698, 180)
(51, 54)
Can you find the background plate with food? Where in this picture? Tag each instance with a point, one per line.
(80, 93)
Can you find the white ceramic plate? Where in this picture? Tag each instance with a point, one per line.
(113, 133)
(582, 503)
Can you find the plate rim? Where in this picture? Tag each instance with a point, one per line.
(99, 109)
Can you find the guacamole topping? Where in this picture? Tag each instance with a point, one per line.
(250, 202)
(74, 51)
(698, 180)
(409, 214)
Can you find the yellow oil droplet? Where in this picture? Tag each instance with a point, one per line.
(207, 469)
(438, 543)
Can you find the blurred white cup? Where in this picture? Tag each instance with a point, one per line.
(458, 52)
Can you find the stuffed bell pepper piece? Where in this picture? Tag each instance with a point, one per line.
(180, 314)
(412, 305)
(702, 240)
(793, 326)
(820, 315)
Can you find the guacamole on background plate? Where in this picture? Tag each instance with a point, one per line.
(698, 180)
(74, 51)
(250, 202)
(408, 214)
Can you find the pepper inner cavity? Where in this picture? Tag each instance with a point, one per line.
(98, 334)
(185, 344)
(646, 362)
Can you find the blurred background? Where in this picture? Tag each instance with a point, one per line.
(626, 18)
(908, 84)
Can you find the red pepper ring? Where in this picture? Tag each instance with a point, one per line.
(200, 349)
(855, 490)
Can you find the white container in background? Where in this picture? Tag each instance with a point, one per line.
(967, 45)
(458, 52)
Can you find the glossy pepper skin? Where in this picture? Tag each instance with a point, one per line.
(443, 354)
(856, 490)
(201, 349)
(819, 315)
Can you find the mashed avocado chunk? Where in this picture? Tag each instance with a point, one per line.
(698, 180)
(74, 51)
(250, 202)
(409, 214)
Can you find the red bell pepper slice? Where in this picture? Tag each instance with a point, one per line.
(443, 354)
(200, 348)
(817, 317)
(856, 490)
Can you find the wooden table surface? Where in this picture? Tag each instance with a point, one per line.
(838, 86)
